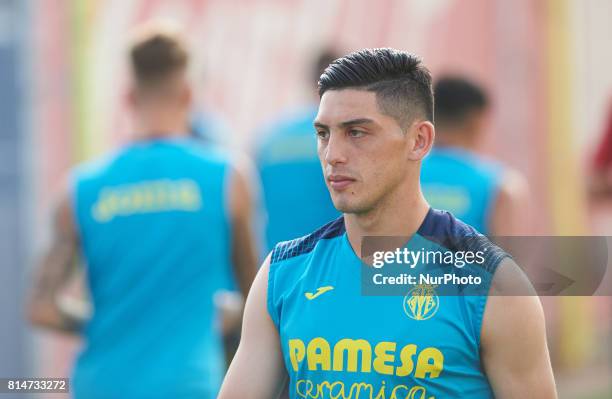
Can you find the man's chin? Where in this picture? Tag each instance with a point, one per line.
(345, 207)
(341, 206)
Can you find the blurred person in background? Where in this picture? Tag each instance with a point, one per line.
(479, 191)
(296, 199)
(160, 224)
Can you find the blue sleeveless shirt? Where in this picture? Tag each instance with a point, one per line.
(155, 237)
(295, 195)
(462, 183)
(339, 343)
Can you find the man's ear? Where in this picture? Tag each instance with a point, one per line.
(186, 95)
(131, 97)
(423, 133)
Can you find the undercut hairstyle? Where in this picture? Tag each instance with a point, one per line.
(156, 54)
(401, 82)
(456, 99)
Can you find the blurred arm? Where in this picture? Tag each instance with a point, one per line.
(257, 371)
(45, 307)
(513, 342)
(244, 253)
(510, 212)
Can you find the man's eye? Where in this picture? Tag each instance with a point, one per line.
(356, 133)
(322, 134)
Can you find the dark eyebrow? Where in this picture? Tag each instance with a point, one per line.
(320, 125)
(352, 122)
(360, 121)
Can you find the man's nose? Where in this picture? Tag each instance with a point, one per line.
(335, 151)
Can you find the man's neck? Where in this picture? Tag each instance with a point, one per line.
(400, 216)
(160, 125)
(459, 139)
(153, 134)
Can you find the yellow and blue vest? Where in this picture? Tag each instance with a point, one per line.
(155, 237)
(339, 343)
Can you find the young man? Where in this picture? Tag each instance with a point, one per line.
(306, 318)
(480, 192)
(160, 223)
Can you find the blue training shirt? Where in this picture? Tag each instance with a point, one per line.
(295, 195)
(339, 343)
(155, 236)
(462, 183)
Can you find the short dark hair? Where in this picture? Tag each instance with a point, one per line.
(156, 54)
(456, 98)
(401, 82)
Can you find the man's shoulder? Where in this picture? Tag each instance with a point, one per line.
(449, 232)
(299, 246)
(480, 165)
(97, 166)
(205, 152)
(441, 223)
(290, 123)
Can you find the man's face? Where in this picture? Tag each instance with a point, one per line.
(363, 152)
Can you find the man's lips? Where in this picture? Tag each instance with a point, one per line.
(339, 182)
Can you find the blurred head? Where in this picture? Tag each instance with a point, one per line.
(374, 126)
(159, 61)
(461, 108)
(322, 61)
